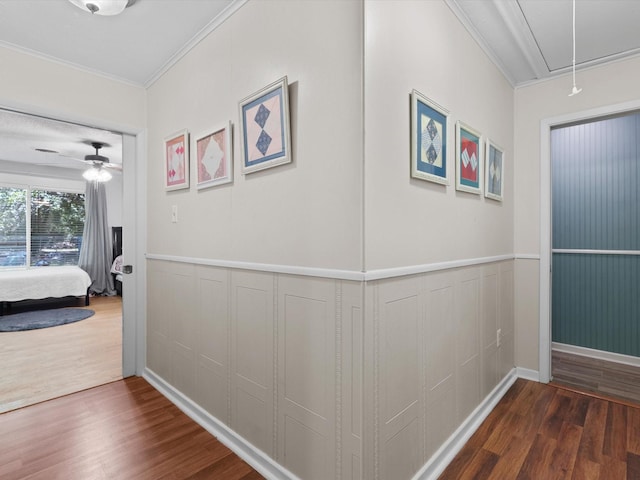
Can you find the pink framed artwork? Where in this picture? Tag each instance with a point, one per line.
(214, 157)
(176, 161)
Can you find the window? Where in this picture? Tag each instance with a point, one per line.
(13, 227)
(53, 235)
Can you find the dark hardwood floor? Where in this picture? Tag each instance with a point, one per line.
(122, 430)
(542, 432)
(128, 430)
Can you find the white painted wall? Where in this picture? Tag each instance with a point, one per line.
(431, 339)
(422, 45)
(35, 85)
(306, 213)
(602, 86)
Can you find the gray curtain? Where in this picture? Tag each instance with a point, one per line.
(96, 253)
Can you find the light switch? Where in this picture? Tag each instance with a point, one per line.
(174, 214)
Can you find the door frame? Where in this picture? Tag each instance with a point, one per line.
(134, 192)
(544, 342)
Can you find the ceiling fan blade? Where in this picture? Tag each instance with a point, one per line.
(71, 157)
(113, 166)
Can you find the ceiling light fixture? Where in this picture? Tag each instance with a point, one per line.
(97, 174)
(103, 7)
(575, 89)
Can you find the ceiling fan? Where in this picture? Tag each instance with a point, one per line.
(99, 165)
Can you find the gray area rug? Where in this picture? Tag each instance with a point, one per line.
(43, 319)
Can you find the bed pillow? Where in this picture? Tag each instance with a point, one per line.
(117, 265)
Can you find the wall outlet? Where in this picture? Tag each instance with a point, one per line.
(498, 337)
(174, 214)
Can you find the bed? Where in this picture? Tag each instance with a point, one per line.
(42, 282)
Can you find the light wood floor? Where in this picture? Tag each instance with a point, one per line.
(125, 430)
(540, 431)
(38, 365)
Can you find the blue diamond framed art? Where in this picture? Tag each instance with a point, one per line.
(429, 130)
(265, 128)
(494, 171)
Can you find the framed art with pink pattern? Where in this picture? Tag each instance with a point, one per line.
(176, 161)
(214, 157)
(265, 130)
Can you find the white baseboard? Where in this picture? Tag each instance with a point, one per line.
(527, 374)
(261, 462)
(598, 354)
(447, 451)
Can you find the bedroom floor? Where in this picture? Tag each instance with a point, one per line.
(39, 365)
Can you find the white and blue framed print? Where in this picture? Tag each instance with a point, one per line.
(494, 171)
(429, 130)
(265, 128)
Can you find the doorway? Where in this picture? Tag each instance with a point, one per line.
(586, 240)
(130, 359)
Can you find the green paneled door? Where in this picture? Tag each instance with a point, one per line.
(596, 234)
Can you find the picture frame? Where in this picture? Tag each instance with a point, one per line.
(494, 171)
(176, 161)
(214, 157)
(265, 131)
(429, 134)
(468, 159)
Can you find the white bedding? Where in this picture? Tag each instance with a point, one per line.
(43, 282)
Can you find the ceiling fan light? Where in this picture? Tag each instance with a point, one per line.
(97, 175)
(102, 7)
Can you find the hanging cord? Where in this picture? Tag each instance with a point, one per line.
(575, 90)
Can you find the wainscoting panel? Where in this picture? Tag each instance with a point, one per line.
(349, 335)
(183, 330)
(214, 338)
(468, 340)
(490, 325)
(172, 325)
(253, 358)
(158, 281)
(306, 391)
(400, 360)
(440, 359)
(506, 316)
(333, 378)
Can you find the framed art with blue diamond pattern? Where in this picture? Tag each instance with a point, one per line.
(265, 130)
(494, 171)
(428, 139)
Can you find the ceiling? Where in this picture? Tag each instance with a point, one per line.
(528, 40)
(531, 40)
(136, 46)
